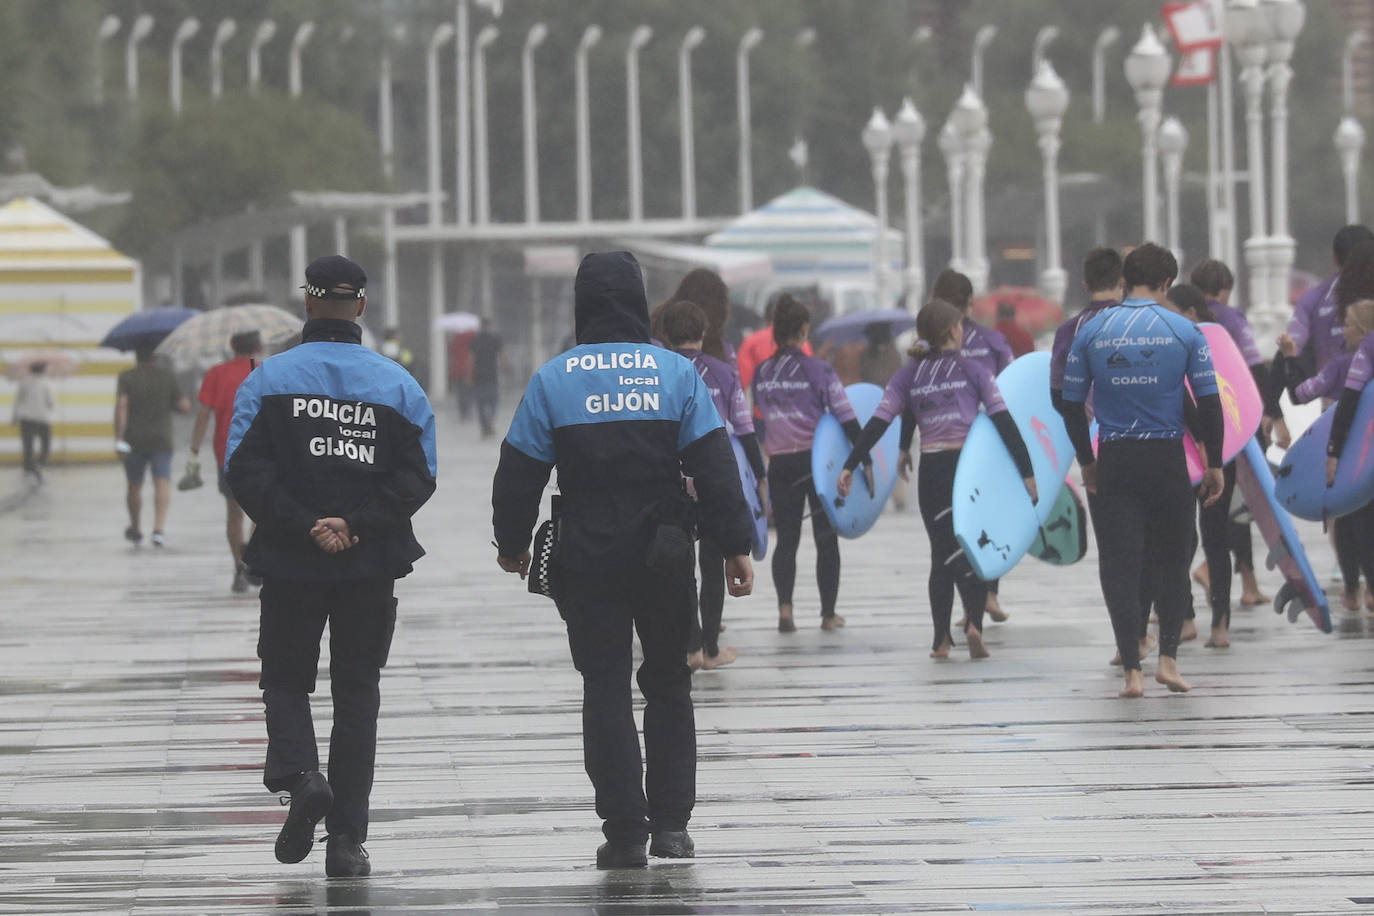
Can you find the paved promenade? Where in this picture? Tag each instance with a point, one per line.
(840, 772)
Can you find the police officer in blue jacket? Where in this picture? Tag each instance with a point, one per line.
(330, 452)
(623, 421)
(1135, 357)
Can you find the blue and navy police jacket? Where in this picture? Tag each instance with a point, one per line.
(623, 421)
(331, 429)
(1134, 357)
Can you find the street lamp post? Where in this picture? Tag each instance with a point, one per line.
(1043, 38)
(533, 39)
(1047, 98)
(590, 36)
(142, 26)
(1285, 19)
(1249, 33)
(1349, 142)
(971, 119)
(687, 147)
(109, 27)
(1173, 142)
(188, 28)
(386, 127)
(908, 130)
(951, 145)
(981, 39)
(298, 43)
(266, 29)
(746, 166)
(223, 32)
(877, 139)
(633, 141)
(441, 36)
(1105, 39)
(1147, 70)
(481, 172)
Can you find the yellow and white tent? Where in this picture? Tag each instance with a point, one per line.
(62, 287)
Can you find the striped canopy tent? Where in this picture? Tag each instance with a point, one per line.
(812, 237)
(62, 287)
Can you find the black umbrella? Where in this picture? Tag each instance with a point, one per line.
(145, 329)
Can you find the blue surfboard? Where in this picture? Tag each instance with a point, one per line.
(1301, 591)
(856, 513)
(757, 512)
(1300, 484)
(995, 521)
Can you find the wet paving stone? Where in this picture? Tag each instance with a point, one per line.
(839, 772)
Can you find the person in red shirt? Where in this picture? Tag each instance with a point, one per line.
(216, 397)
(755, 349)
(1018, 338)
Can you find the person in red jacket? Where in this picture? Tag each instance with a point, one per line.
(1018, 338)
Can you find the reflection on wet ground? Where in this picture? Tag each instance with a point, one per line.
(840, 772)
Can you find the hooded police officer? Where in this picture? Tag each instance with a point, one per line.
(623, 421)
(330, 452)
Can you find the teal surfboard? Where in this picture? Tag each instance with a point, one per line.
(995, 521)
(1063, 538)
(853, 515)
(758, 513)
(1300, 484)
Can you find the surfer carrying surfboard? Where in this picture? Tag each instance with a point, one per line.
(1134, 359)
(943, 389)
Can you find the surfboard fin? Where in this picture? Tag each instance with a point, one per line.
(1290, 601)
(1277, 553)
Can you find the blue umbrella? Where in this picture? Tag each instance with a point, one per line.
(850, 327)
(146, 329)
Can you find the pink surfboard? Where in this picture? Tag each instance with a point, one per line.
(1241, 404)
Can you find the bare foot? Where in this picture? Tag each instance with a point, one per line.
(943, 651)
(994, 609)
(1167, 674)
(961, 622)
(1116, 660)
(833, 622)
(1135, 684)
(1250, 594)
(976, 649)
(1201, 577)
(1147, 645)
(1189, 631)
(1351, 601)
(1219, 639)
(725, 656)
(695, 659)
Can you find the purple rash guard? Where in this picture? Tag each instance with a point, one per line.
(793, 391)
(1316, 317)
(986, 346)
(1064, 335)
(1361, 365)
(1238, 326)
(943, 393)
(1328, 382)
(726, 392)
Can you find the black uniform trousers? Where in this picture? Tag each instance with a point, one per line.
(603, 612)
(362, 617)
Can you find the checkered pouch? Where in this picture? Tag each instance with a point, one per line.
(543, 575)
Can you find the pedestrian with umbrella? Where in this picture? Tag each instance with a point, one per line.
(203, 341)
(147, 328)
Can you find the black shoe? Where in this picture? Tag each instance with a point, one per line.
(345, 858)
(672, 844)
(621, 855)
(133, 535)
(311, 799)
(240, 584)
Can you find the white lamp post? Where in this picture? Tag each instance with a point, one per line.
(746, 167)
(590, 36)
(1047, 98)
(687, 147)
(908, 130)
(877, 139)
(142, 26)
(633, 141)
(441, 36)
(223, 32)
(1043, 38)
(1285, 20)
(266, 29)
(1249, 34)
(481, 172)
(184, 33)
(109, 27)
(461, 162)
(1173, 142)
(971, 120)
(386, 128)
(1147, 70)
(293, 70)
(951, 145)
(537, 33)
(1105, 39)
(981, 39)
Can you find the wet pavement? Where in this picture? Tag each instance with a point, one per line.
(840, 772)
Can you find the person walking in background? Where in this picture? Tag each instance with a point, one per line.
(460, 371)
(1018, 338)
(145, 397)
(488, 362)
(623, 558)
(331, 451)
(878, 362)
(794, 391)
(395, 349)
(216, 399)
(33, 409)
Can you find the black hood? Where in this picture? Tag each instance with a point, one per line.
(609, 301)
